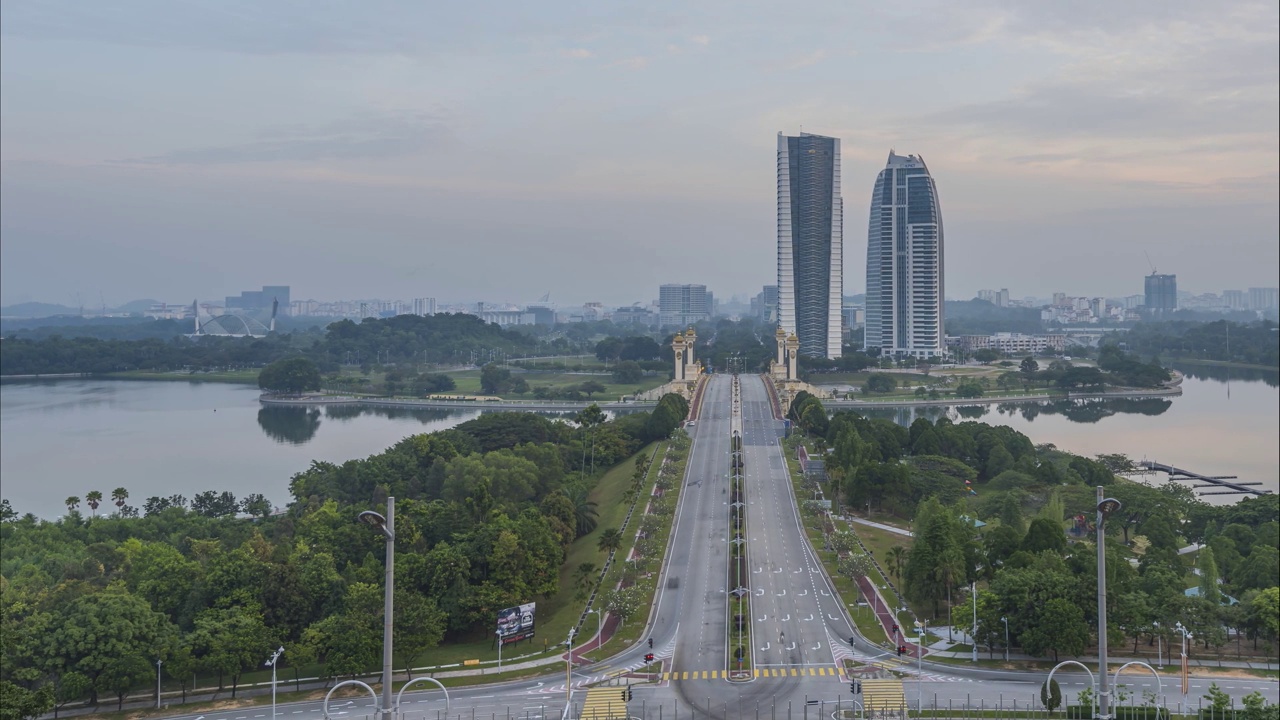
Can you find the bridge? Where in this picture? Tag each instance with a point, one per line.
(1233, 488)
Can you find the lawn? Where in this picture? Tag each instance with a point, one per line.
(227, 376)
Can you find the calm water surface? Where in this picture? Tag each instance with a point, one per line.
(162, 438)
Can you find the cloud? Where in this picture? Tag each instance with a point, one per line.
(576, 53)
(357, 138)
(638, 62)
(808, 60)
(702, 40)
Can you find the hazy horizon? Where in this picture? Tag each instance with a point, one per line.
(497, 151)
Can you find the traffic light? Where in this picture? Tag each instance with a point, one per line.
(648, 658)
(651, 643)
(853, 686)
(624, 694)
(901, 649)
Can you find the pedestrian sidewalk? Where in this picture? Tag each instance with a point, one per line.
(1111, 659)
(880, 526)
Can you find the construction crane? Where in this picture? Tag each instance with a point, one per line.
(1153, 265)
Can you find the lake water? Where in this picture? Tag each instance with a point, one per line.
(162, 438)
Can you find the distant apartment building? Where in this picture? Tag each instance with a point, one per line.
(253, 301)
(165, 311)
(764, 306)
(506, 317)
(1264, 298)
(1161, 294)
(1235, 299)
(1013, 343)
(424, 306)
(635, 315)
(999, 298)
(683, 304)
(542, 314)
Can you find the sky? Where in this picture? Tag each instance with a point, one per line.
(179, 149)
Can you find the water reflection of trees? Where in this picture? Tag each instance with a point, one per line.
(343, 413)
(289, 425)
(1087, 410)
(1224, 374)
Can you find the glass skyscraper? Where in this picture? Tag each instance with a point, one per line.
(810, 242)
(904, 262)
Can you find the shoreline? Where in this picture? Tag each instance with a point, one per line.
(528, 405)
(1037, 397)
(1223, 364)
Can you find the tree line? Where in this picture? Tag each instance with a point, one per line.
(485, 512)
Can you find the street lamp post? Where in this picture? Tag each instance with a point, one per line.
(272, 662)
(386, 526)
(499, 634)
(1159, 644)
(1186, 635)
(599, 627)
(973, 636)
(1005, 620)
(922, 628)
(158, 663)
(1106, 506)
(568, 671)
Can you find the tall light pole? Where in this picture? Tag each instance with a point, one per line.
(272, 662)
(973, 637)
(568, 671)
(1005, 620)
(158, 663)
(599, 626)
(923, 628)
(499, 634)
(386, 526)
(1159, 644)
(1106, 506)
(1186, 635)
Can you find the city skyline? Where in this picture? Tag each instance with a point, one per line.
(184, 148)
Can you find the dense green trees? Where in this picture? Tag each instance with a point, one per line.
(485, 512)
(1035, 553)
(291, 376)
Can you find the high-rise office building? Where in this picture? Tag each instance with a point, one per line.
(1161, 293)
(904, 262)
(683, 304)
(810, 242)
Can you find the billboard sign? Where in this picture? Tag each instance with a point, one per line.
(516, 623)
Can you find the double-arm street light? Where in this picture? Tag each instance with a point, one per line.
(386, 526)
(1106, 506)
(271, 661)
(599, 626)
(1186, 635)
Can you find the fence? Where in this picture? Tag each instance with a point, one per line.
(1026, 708)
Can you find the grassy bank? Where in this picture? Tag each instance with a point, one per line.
(228, 376)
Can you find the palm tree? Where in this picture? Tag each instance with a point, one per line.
(897, 557)
(73, 502)
(610, 540)
(584, 509)
(94, 499)
(582, 578)
(119, 495)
